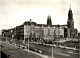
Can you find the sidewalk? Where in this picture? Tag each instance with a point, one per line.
(62, 47)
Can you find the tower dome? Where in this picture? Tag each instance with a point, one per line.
(70, 11)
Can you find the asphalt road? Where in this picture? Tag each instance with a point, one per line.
(57, 52)
(13, 52)
(46, 50)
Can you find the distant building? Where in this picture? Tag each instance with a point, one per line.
(33, 31)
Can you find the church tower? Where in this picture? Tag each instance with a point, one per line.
(49, 21)
(70, 22)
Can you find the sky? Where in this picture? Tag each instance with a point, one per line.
(16, 12)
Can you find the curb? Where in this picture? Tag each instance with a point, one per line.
(60, 46)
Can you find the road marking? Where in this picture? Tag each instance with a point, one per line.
(72, 52)
(63, 54)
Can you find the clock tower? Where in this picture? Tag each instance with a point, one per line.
(70, 22)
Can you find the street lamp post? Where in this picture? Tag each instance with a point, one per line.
(11, 34)
(24, 39)
(52, 51)
(6, 38)
(28, 45)
(29, 36)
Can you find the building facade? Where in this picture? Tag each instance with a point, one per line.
(33, 31)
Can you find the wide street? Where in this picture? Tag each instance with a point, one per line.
(57, 52)
(14, 52)
(46, 50)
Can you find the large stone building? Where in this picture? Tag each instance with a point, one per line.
(33, 31)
